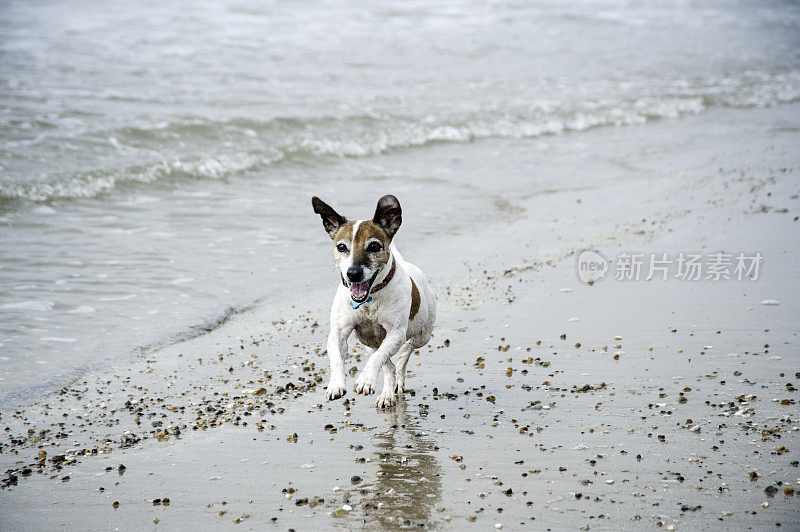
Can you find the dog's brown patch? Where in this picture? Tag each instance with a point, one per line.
(414, 301)
(345, 231)
(370, 334)
(368, 230)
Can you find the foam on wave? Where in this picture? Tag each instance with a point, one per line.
(368, 135)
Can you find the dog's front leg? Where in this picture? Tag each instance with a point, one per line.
(365, 383)
(337, 348)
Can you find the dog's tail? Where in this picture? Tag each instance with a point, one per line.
(396, 252)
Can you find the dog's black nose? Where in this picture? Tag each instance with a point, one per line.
(355, 273)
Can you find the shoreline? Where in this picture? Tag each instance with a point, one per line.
(500, 302)
(446, 158)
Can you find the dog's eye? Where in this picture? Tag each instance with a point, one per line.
(374, 247)
(341, 248)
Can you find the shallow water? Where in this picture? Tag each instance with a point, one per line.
(157, 160)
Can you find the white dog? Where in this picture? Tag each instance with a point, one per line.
(386, 300)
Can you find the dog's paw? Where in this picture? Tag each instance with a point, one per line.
(399, 387)
(335, 390)
(386, 399)
(364, 384)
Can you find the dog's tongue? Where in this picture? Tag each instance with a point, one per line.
(359, 290)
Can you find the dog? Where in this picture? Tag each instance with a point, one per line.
(385, 299)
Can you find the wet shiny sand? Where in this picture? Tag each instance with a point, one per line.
(541, 402)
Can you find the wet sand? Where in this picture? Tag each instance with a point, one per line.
(541, 402)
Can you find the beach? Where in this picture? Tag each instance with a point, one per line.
(541, 402)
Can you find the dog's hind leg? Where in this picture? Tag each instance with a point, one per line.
(404, 354)
(387, 396)
(366, 383)
(402, 361)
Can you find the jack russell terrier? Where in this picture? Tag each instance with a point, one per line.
(385, 299)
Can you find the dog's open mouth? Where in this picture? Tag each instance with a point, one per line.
(359, 292)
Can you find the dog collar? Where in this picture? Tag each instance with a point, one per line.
(388, 278)
(375, 288)
(355, 305)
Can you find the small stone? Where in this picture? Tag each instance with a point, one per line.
(355, 479)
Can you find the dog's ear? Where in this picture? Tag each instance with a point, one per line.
(331, 220)
(388, 214)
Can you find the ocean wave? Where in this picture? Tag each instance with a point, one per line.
(757, 89)
(291, 138)
(95, 184)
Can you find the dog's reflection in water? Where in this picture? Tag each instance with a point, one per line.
(408, 482)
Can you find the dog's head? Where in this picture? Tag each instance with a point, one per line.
(361, 248)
